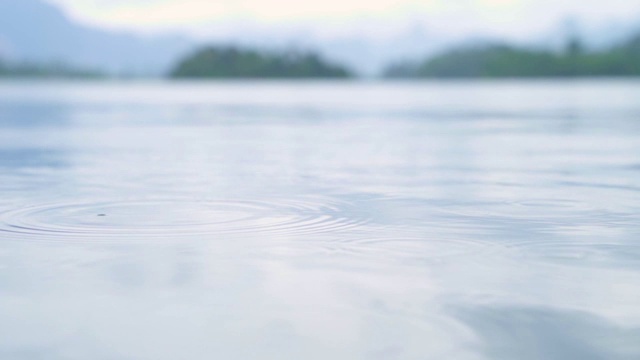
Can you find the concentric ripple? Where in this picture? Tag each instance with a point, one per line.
(153, 219)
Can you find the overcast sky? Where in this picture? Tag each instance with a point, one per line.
(516, 18)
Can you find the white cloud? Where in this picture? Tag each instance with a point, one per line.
(515, 18)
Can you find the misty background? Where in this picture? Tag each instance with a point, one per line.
(146, 37)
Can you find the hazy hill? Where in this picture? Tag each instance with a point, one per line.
(36, 31)
(502, 60)
(40, 33)
(232, 62)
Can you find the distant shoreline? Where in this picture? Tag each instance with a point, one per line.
(230, 63)
(354, 80)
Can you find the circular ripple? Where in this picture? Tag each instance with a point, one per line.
(153, 219)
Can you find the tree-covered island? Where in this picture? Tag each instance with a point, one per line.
(233, 62)
(503, 61)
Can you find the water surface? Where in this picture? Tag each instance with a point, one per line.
(453, 220)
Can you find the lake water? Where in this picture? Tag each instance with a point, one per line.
(453, 220)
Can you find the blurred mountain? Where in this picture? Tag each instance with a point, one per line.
(233, 62)
(33, 30)
(38, 32)
(369, 46)
(509, 61)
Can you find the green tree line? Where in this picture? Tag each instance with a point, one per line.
(501, 60)
(486, 61)
(232, 62)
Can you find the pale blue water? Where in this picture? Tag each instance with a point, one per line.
(459, 220)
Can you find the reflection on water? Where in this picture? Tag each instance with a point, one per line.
(546, 333)
(29, 158)
(489, 220)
